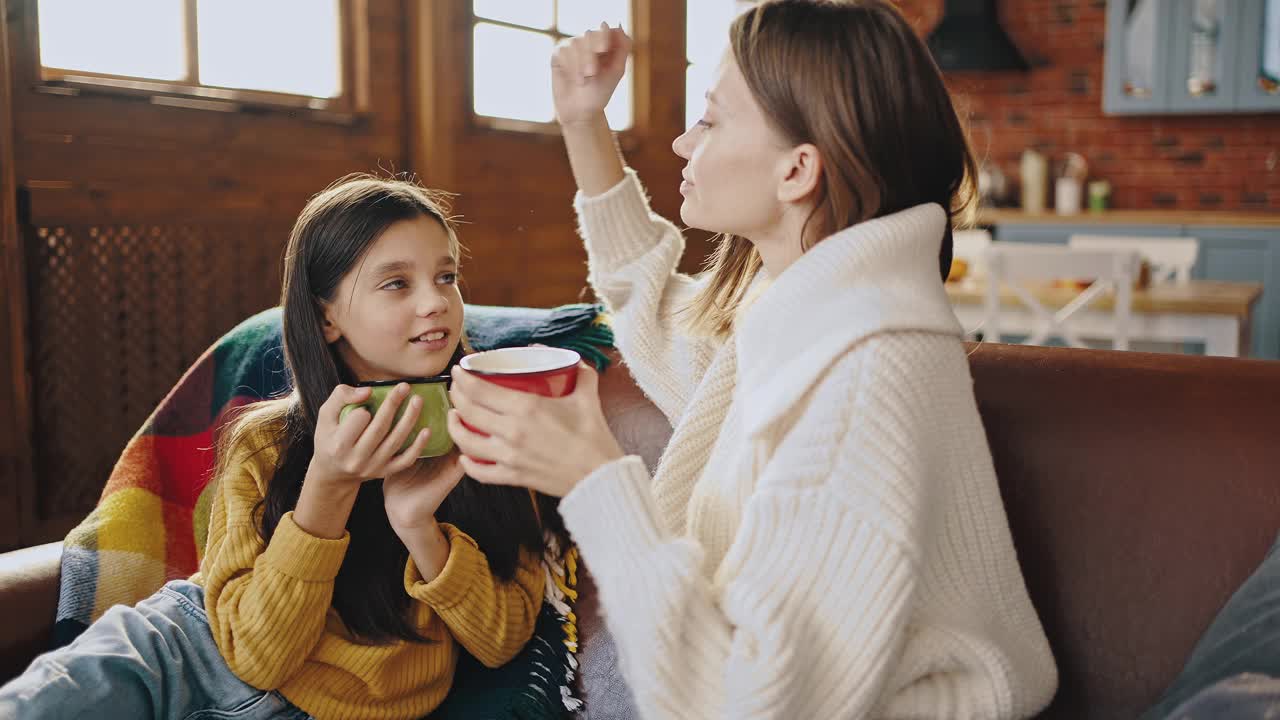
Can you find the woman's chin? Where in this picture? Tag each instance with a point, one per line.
(691, 218)
(686, 213)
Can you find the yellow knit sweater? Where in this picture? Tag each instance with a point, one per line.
(270, 612)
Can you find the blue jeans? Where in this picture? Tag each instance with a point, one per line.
(1246, 696)
(157, 659)
(1239, 650)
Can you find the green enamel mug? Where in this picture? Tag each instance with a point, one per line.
(434, 392)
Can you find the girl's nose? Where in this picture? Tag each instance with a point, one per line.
(432, 303)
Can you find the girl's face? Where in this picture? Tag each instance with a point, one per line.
(735, 161)
(398, 312)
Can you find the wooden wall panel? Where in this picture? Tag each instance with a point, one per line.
(17, 478)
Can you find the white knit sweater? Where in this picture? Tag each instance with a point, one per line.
(824, 536)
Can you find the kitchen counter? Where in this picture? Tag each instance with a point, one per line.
(1003, 216)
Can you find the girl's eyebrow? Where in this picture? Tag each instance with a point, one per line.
(392, 266)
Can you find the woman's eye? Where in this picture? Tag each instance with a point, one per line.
(447, 278)
(395, 285)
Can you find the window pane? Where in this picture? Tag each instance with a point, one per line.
(618, 111)
(530, 13)
(512, 73)
(579, 16)
(707, 28)
(140, 38)
(288, 46)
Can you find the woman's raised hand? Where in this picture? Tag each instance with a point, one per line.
(585, 70)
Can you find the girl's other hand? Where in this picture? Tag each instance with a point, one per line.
(413, 496)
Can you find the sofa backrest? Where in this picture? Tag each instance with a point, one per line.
(1141, 490)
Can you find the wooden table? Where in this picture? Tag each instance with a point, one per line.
(1215, 313)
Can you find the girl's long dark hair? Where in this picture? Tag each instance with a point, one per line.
(333, 232)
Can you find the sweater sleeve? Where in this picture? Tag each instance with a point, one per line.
(267, 602)
(491, 618)
(809, 608)
(632, 259)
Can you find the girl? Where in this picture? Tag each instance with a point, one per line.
(323, 592)
(824, 536)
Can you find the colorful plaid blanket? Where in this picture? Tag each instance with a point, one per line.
(151, 522)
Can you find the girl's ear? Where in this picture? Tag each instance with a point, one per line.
(329, 324)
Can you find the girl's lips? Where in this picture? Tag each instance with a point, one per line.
(431, 345)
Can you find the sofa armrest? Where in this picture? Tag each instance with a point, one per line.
(28, 603)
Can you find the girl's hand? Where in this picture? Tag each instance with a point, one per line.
(585, 71)
(413, 496)
(360, 447)
(548, 444)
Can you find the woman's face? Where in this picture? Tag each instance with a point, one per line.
(732, 161)
(398, 313)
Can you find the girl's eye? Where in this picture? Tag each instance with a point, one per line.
(447, 278)
(395, 285)
(704, 123)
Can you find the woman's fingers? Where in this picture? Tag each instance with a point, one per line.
(478, 445)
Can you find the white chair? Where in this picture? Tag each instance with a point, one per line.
(1019, 264)
(1171, 258)
(971, 246)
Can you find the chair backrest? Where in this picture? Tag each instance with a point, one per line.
(1022, 265)
(1171, 258)
(971, 246)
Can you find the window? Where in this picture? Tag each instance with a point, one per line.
(512, 41)
(276, 51)
(706, 39)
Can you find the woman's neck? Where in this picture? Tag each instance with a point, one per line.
(781, 245)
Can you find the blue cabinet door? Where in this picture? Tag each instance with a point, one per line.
(1246, 255)
(1136, 65)
(1258, 77)
(1204, 56)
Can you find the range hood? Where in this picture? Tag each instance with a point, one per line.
(969, 37)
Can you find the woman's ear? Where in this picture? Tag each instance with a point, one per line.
(800, 174)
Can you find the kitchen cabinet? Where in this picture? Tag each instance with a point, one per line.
(1192, 57)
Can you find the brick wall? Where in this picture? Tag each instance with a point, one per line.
(1212, 162)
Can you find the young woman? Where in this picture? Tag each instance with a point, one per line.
(824, 536)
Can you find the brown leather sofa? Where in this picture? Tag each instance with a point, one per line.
(1141, 490)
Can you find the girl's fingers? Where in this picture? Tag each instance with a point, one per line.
(400, 433)
(378, 428)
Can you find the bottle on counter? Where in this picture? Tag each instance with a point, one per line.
(1035, 180)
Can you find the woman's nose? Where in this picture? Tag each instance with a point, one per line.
(680, 146)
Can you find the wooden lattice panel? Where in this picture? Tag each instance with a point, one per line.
(118, 313)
